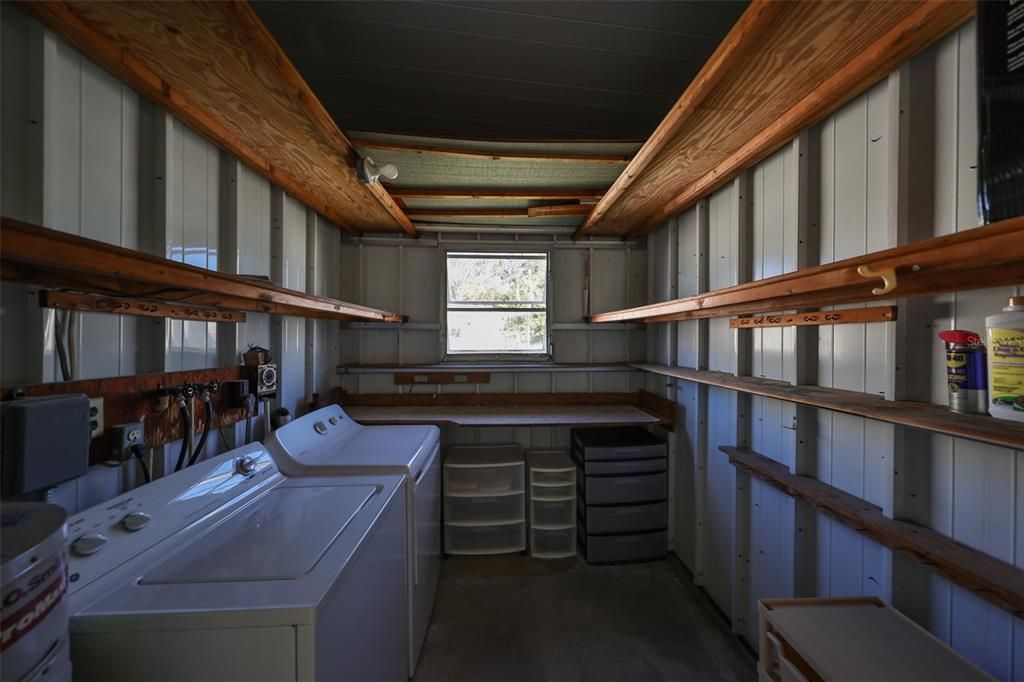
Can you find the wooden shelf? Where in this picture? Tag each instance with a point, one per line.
(511, 409)
(989, 578)
(49, 258)
(494, 367)
(783, 67)
(292, 141)
(984, 257)
(927, 416)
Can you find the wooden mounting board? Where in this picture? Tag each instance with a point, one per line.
(819, 318)
(217, 68)
(137, 399)
(987, 256)
(784, 67)
(926, 416)
(61, 300)
(989, 578)
(411, 378)
(52, 258)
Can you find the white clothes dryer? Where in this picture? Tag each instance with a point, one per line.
(328, 442)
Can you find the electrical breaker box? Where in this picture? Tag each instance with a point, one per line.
(45, 441)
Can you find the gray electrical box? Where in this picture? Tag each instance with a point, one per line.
(45, 441)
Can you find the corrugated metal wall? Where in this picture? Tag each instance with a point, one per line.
(404, 274)
(894, 165)
(83, 153)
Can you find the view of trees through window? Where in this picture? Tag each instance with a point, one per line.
(497, 302)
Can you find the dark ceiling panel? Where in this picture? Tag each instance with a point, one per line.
(499, 69)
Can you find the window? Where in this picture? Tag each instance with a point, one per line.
(497, 303)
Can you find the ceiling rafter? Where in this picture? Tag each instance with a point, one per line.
(493, 154)
(494, 193)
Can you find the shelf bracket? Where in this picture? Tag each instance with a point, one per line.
(887, 275)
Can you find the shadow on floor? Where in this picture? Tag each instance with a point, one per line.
(517, 619)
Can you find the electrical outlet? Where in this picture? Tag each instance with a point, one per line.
(461, 378)
(124, 436)
(420, 378)
(95, 417)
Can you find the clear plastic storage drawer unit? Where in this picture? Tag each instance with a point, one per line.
(484, 499)
(552, 504)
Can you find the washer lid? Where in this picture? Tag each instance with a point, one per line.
(282, 536)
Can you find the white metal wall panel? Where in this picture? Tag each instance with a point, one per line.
(854, 454)
(288, 269)
(82, 152)
(896, 164)
(406, 276)
(967, 490)
(777, 243)
(22, 358)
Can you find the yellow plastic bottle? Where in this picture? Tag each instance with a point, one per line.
(1005, 335)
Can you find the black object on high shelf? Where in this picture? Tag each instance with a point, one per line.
(1000, 110)
(622, 489)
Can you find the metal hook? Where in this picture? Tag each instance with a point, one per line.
(887, 275)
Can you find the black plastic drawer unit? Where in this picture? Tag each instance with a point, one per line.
(616, 549)
(627, 518)
(622, 488)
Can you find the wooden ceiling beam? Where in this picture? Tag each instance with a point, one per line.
(784, 68)
(559, 210)
(531, 212)
(247, 98)
(916, 32)
(493, 193)
(417, 213)
(743, 36)
(494, 154)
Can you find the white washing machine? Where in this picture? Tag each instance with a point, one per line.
(327, 442)
(230, 571)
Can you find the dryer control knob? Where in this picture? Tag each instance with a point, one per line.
(88, 544)
(334, 420)
(135, 521)
(320, 427)
(245, 465)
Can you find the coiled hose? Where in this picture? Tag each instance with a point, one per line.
(206, 429)
(186, 434)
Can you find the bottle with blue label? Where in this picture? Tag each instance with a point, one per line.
(966, 371)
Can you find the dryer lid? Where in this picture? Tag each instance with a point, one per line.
(408, 447)
(316, 443)
(281, 536)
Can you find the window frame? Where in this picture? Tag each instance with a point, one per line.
(484, 250)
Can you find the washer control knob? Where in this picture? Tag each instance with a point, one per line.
(135, 521)
(320, 428)
(88, 544)
(334, 421)
(246, 465)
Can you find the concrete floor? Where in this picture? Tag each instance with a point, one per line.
(519, 619)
